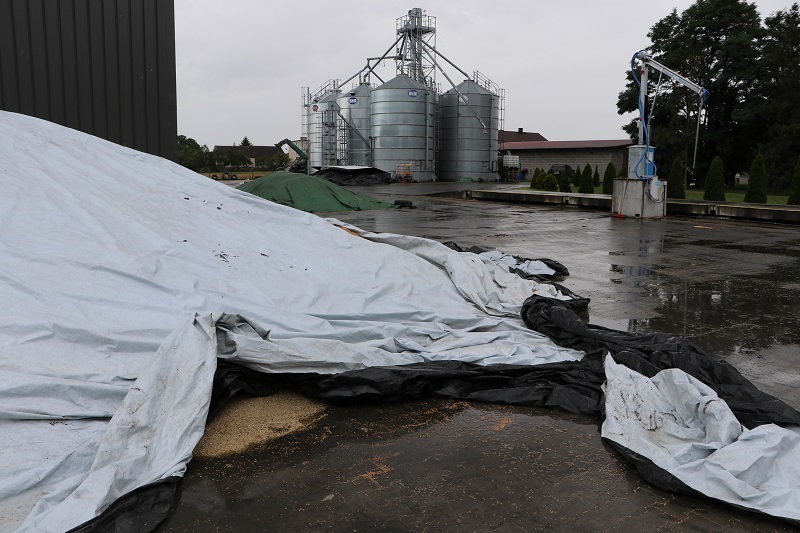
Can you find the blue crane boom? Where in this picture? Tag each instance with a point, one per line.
(647, 62)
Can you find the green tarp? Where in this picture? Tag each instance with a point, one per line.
(307, 193)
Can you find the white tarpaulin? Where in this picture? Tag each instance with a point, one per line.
(126, 278)
(683, 427)
(114, 268)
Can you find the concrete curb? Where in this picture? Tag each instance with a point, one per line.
(771, 213)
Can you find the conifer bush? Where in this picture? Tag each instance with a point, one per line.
(596, 177)
(549, 183)
(675, 180)
(757, 183)
(794, 191)
(715, 182)
(608, 179)
(537, 180)
(585, 183)
(563, 182)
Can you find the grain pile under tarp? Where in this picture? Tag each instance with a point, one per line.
(310, 193)
(246, 422)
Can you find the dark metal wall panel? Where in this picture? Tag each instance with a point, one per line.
(69, 57)
(151, 76)
(165, 73)
(83, 49)
(9, 93)
(106, 67)
(96, 64)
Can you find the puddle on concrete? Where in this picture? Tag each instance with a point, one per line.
(734, 315)
(412, 464)
(437, 465)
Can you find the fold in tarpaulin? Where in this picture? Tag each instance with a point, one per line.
(684, 435)
(522, 266)
(144, 295)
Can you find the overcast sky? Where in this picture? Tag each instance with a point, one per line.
(242, 63)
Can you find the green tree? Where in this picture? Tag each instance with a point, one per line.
(596, 177)
(775, 108)
(236, 159)
(675, 181)
(715, 182)
(278, 161)
(563, 182)
(714, 43)
(585, 183)
(245, 142)
(214, 160)
(190, 154)
(550, 183)
(608, 179)
(794, 192)
(757, 182)
(537, 181)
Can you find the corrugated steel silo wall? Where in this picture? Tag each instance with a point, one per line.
(467, 150)
(402, 127)
(323, 122)
(355, 108)
(105, 67)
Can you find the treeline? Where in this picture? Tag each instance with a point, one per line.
(200, 159)
(752, 70)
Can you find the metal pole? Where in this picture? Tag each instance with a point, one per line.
(697, 136)
(642, 101)
(463, 99)
(369, 70)
(442, 56)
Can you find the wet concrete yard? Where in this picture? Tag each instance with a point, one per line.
(438, 465)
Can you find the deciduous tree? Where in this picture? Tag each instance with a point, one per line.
(776, 102)
(236, 159)
(190, 154)
(714, 43)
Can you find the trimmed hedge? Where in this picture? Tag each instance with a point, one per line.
(757, 182)
(794, 191)
(715, 182)
(585, 183)
(675, 180)
(608, 179)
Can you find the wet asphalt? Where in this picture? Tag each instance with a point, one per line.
(438, 465)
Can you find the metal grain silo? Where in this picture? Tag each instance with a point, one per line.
(469, 118)
(402, 126)
(354, 106)
(322, 125)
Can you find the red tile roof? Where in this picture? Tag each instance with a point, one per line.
(564, 145)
